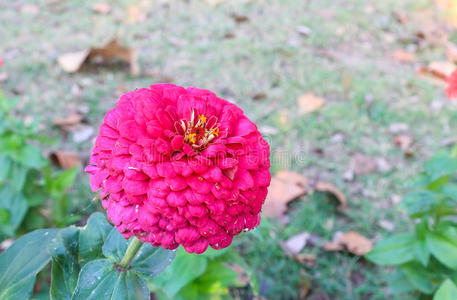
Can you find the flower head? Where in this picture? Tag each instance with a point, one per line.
(178, 166)
(451, 90)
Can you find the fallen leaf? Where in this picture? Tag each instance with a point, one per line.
(431, 29)
(308, 259)
(333, 246)
(285, 186)
(303, 30)
(309, 102)
(362, 164)
(136, 14)
(387, 225)
(114, 50)
(4, 77)
(65, 159)
(326, 187)
(30, 9)
(296, 243)
(398, 127)
(243, 276)
(451, 52)
(239, 18)
(70, 120)
(383, 165)
(404, 56)
(101, 8)
(403, 141)
(259, 96)
(356, 243)
(284, 117)
(352, 241)
(229, 35)
(305, 288)
(441, 69)
(214, 2)
(82, 133)
(74, 61)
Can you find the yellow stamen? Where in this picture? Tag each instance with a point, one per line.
(203, 118)
(191, 137)
(215, 131)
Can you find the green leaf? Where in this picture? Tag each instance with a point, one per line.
(446, 291)
(440, 165)
(398, 283)
(442, 244)
(65, 266)
(20, 263)
(420, 202)
(185, 268)
(30, 156)
(216, 276)
(5, 164)
(115, 245)
(394, 250)
(92, 238)
(4, 215)
(63, 181)
(99, 279)
(419, 277)
(151, 261)
(16, 205)
(17, 176)
(420, 248)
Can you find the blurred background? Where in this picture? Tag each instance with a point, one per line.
(349, 94)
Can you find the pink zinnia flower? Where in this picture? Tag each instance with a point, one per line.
(451, 90)
(178, 166)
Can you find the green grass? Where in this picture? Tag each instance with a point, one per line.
(185, 41)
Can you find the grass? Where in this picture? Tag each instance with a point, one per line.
(345, 59)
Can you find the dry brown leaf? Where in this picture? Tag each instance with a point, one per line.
(3, 77)
(296, 243)
(101, 8)
(330, 188)
(333, 246)
(403, 141)
(309, 102)
(214, 2)
(451, 52)
(356, 243)
(305, 288)
(243, 276)
(362, 164)
(285, 186)
(259, 96)
(136, 14)
(441, 69)
(404, 56)
(65, 159)
(352, 241)
(308, 259)
(70, 120)
(303, 30)
(72, 62)
(239, 18)
(431, 29)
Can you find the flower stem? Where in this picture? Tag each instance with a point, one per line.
(133, 248)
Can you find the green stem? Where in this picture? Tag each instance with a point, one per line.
(133, 248)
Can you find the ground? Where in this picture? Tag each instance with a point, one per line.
(339, 50)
